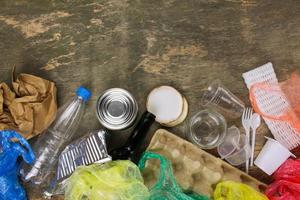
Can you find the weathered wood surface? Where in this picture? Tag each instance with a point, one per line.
(141, 44)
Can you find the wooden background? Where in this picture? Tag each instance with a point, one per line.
(140, 44)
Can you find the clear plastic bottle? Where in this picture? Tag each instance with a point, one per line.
(50, 144)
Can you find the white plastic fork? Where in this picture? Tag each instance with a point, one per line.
(246, 121)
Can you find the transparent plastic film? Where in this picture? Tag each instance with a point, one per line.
(286, 185)
(166, 187)
(120, 180)
(230, 190)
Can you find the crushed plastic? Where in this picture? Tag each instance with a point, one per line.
(291, 90)
(120, 180)
(286, 185)
(12, 145)
(273, 101)
(166, 187)
(230, 190)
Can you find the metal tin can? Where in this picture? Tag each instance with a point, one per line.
(117, 109)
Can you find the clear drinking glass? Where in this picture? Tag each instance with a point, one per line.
(207, 129)
(216, 94)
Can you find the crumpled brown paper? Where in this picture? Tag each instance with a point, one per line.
(30, 108)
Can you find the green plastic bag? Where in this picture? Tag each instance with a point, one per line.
(115, 180)
(230, 190)
(166, 187)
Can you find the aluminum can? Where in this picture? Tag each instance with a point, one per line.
(117, 109)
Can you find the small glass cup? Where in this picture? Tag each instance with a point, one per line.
(207, 129)
(217, 95)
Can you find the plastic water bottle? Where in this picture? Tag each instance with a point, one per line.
(50, 144)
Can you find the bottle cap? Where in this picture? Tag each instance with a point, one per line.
(84, 93)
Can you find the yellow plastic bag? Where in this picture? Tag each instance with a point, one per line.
(116, 180)
(229, 190)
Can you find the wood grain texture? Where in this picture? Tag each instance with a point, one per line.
(141, 44)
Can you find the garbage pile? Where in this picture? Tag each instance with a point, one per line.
(85, 169)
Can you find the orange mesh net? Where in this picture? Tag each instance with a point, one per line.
(290, 90)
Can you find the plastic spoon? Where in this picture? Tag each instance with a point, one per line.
(255, 123)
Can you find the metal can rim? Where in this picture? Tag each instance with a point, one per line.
(103, 119)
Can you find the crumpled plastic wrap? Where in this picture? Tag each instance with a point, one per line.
(30, 107)
(12, 147)
(115, 180)
(290, 89)
(286, 185)
(230, 190)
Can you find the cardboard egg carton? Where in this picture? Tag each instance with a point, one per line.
(194, 169)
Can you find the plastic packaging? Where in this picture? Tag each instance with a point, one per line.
(86, 150)
(235, 148)
(272, 155)
(230, 190)
(230, 143)
(286, 185)
(50, 144)
(218, 95)
(12, 145)
(270, 100)
(166, 188)
(241, 154)
(290, 88)
(207, 129)
(120, 180)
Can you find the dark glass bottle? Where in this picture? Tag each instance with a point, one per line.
(129, 150)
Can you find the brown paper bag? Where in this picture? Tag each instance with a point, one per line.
(30, 108)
